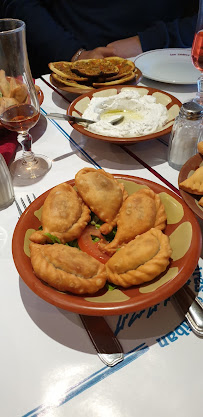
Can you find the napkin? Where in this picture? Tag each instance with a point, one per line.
(8, 144)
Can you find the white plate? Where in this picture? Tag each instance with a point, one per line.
(172, 66)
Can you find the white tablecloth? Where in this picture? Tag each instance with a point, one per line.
(49, 367)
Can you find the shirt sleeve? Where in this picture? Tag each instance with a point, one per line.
(178, 33)
(43, 34)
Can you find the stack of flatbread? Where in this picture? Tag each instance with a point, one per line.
(194, 183)
(92, 73)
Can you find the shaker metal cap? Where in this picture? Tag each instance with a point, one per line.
(191, 110)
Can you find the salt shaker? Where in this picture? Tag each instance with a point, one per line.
(6, 186)
(185, 134)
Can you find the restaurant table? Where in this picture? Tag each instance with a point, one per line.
(49, 367)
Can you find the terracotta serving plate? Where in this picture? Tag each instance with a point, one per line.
(40, 96)
(78, 106)
(78, 90)
(185, 239)
(188, 169)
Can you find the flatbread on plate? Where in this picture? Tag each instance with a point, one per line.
(125, 67)
(70, 83)
(122, 80)
(95, 68)
(64, 69)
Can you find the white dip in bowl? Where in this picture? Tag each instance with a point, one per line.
(142, 114)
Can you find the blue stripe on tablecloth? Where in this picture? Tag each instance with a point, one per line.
(56, 90)
(67, 136)
(96, 165)
(131, 153)
(92, 380)
(150, 169)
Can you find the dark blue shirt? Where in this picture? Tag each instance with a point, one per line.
(56, 29)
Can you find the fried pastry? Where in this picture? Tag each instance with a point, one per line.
(140, 212)
(141, 260)
(12, 85)
(102, 193)
(20, 93)
(67, 269)
(6, 102)
(193, 184)
(12, 92)
(4, 84)
(201, 202)
(64, 215)
(200, 147)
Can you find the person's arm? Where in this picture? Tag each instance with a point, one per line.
(100, 52)
(176, 34)
(47, 41)
(125, 48)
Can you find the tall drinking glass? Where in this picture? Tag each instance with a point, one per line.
(19, 105)
(197, 52)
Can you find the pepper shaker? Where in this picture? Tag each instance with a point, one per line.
(6, 186)
(185, 134)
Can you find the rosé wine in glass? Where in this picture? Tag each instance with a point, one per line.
(197, 52)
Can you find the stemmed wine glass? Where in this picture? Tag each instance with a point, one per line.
(197, 52)
(19, 105)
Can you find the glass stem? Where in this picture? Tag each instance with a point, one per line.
(25, 139)
(200, 89)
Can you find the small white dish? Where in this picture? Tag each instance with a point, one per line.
(172, 66)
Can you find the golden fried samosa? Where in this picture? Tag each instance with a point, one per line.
(141, 260)
(19, 93)
(6, 102)
(193, 184)
(140, 212)
(64, 215)
(4, 84)
(201, 202)
(67, 269)
(102, 193)
(200, 147)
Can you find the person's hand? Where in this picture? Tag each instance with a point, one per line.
(126, 48)
(100, 52)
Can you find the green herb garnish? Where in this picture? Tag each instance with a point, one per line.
(111, 235)
(53, 238)
(111, 287)
(95, 221)
(95, 238)
(73, 244)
